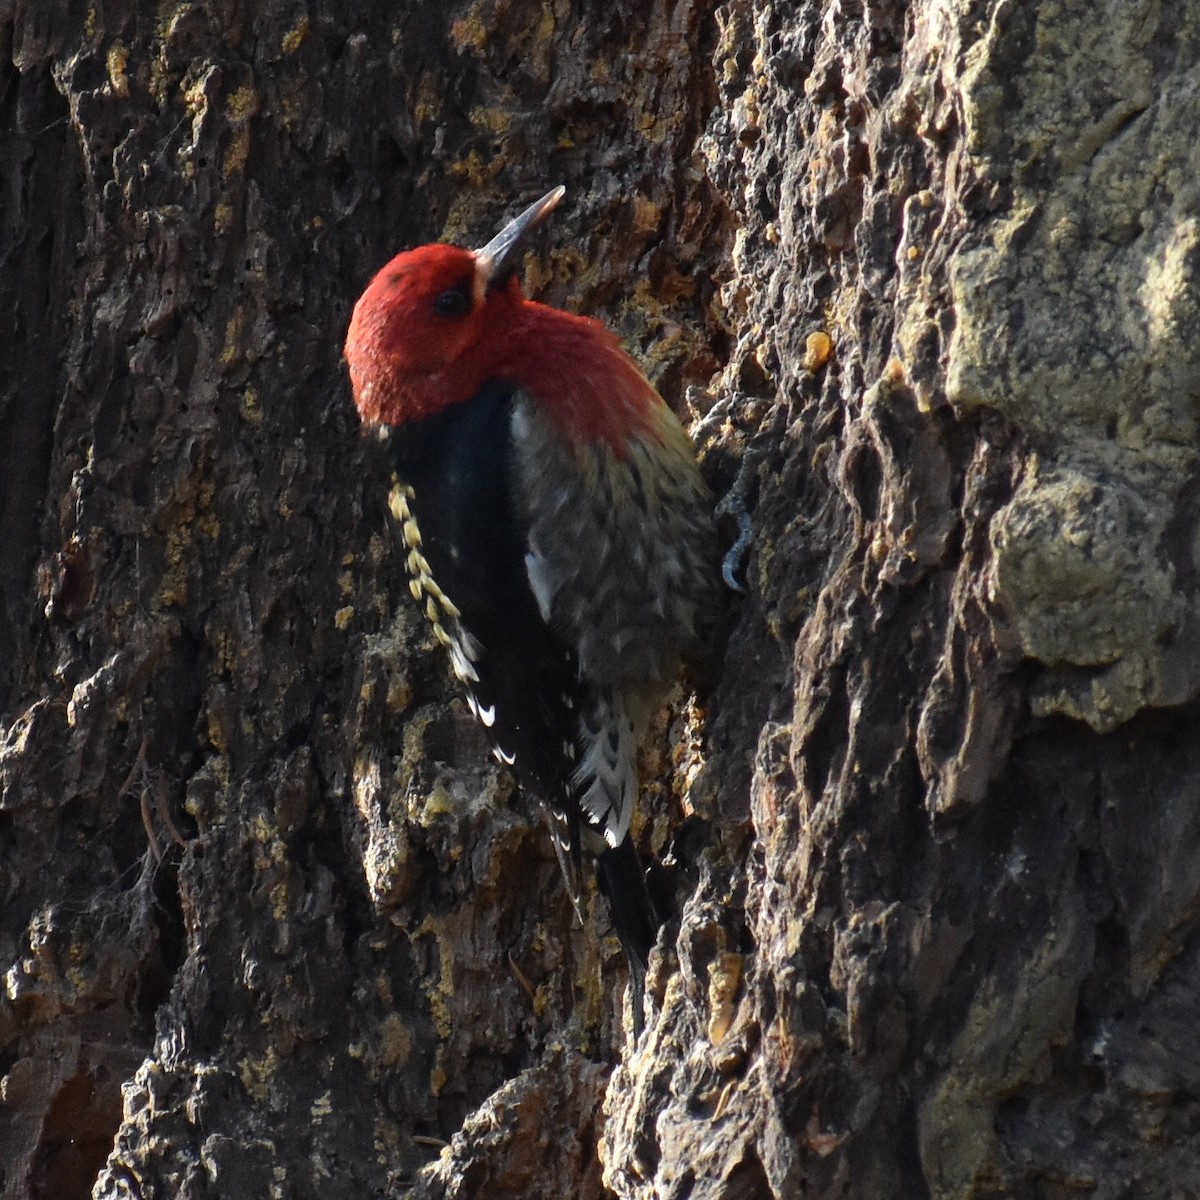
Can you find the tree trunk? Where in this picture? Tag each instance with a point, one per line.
(924, 278)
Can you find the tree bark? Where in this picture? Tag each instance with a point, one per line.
(923, 277)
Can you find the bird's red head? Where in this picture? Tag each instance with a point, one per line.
(438, 322)
(419, 335)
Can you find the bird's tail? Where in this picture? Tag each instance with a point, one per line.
(634, 915)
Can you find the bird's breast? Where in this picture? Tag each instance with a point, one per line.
(621, 546)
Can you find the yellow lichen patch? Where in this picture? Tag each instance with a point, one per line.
(344, 616)
(251, 411)
(544, 32)
(818, 348)
(439, 803)
(388, 1141)
(222, 217)
(495, 120)
(470, 32)
(395, 1042)
(89, 24)
(194, 98)
(399, 695)
(648, 306)
(261, 830)
(591, 981)
(280, 895)
(566, 264)
(216, 734)
(237, 152)
(160, 81)
(747, 108)
(294, 38)
(117, 61)
(291, 107)
(257, 1073)
(239, 108)
(427, 98)
(439, 993)
(233, 336)
(175, 584)
(651, 126)
(474, 171)
(724, 975)
(241, 105)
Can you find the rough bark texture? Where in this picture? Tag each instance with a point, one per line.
(925, 278)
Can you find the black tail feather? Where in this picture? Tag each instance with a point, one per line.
(634, 915)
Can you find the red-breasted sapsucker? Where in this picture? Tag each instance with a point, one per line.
(557, 531)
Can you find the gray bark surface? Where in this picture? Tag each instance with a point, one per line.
(923, 279)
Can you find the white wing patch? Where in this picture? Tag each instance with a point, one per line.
(605, 781)
(464, 653)
(539, 582)
(485, 716)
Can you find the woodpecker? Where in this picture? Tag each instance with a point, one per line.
(556, 531)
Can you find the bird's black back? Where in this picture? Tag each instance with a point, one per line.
(459, 465)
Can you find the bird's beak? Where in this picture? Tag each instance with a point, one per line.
(496, 261)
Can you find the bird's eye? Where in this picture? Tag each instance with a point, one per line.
(453, 302)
